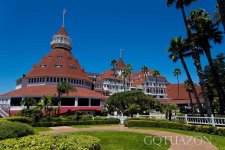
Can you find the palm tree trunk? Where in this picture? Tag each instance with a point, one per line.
(221, 4)
(178, 88)
(186, 70)
(219, 87)
(156, 87)
(192, 85)
(201, 81)
(59, 100)
(124, 84)
(190, 98)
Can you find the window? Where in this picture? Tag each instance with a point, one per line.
(49, 56)
(47, 80)
(58, 65)
(59, 56)
(72, 67)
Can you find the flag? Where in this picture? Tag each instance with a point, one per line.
(64, 11)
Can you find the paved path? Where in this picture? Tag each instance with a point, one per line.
(178, 141)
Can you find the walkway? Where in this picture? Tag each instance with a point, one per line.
(178, 141)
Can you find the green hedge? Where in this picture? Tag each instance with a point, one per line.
(14, 130)
(54, 142)
(69, 123)
(176, 125)
(19, 119)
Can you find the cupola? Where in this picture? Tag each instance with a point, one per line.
(61, 40)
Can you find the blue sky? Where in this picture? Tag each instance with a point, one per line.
(98, 28)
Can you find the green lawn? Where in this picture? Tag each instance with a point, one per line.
(89, 126)
(218, 141)
(113, 140)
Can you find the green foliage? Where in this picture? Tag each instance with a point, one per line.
(56, 142)
(176, 125)
(14, 130)
(29, 101)
(70, 123)
(35, 114)
(121, 101)
(21, 119)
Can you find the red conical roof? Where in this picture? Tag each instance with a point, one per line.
(62, 31)
(121, 64)
(59, 63)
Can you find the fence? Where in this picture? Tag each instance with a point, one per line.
(3, 109)
(214, 121)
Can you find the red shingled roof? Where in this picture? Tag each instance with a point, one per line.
(107, 75)
(183, 94)
(70, 67)
(121, 64)
(62, 31)
(36, 91)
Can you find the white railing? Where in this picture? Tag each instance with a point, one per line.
(214, 121)
(3, 113)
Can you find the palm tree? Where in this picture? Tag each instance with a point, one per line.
(145, 71)
(125, 74)
(204, 31)
(176, 73)
(114, 64)
(195, 50)
(178, 50)
(155, 74)
(46, 101)
(129, 69)
(187, 85)
(221, 4)
(180, 4)
(28, 101)
(63, 88)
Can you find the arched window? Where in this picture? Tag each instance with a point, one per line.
(58, 65)
(42, 65)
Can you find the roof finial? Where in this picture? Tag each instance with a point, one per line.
(121, 52)
(64, 12)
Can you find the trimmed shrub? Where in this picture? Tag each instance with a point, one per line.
(14, 130)
(56, 142)
(70, 123)
(20, 119)
(176, 125)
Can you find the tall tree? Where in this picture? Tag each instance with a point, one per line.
(156, 74)
(129, 70)
(125, 74)
(28, 102)
(46, 103)
(205, 30)
(176, 73)
(188, 88)
(114, 64)
(179, 49)
(180, 4)
(63, 88)
(145, 71)
(221, 4)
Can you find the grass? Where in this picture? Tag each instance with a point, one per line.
(114, 140)
(218, 141)
(89, 126)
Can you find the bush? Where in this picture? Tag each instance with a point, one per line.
(20, 119)
(56, 142)
(70, 123)
(14, 130)
(176, 125)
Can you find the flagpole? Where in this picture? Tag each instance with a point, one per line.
(63, 18)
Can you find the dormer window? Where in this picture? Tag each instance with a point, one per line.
(42, 65)
(58, 65)
(72, 67)
(49, 56)
(69, 58)
(59, 56)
